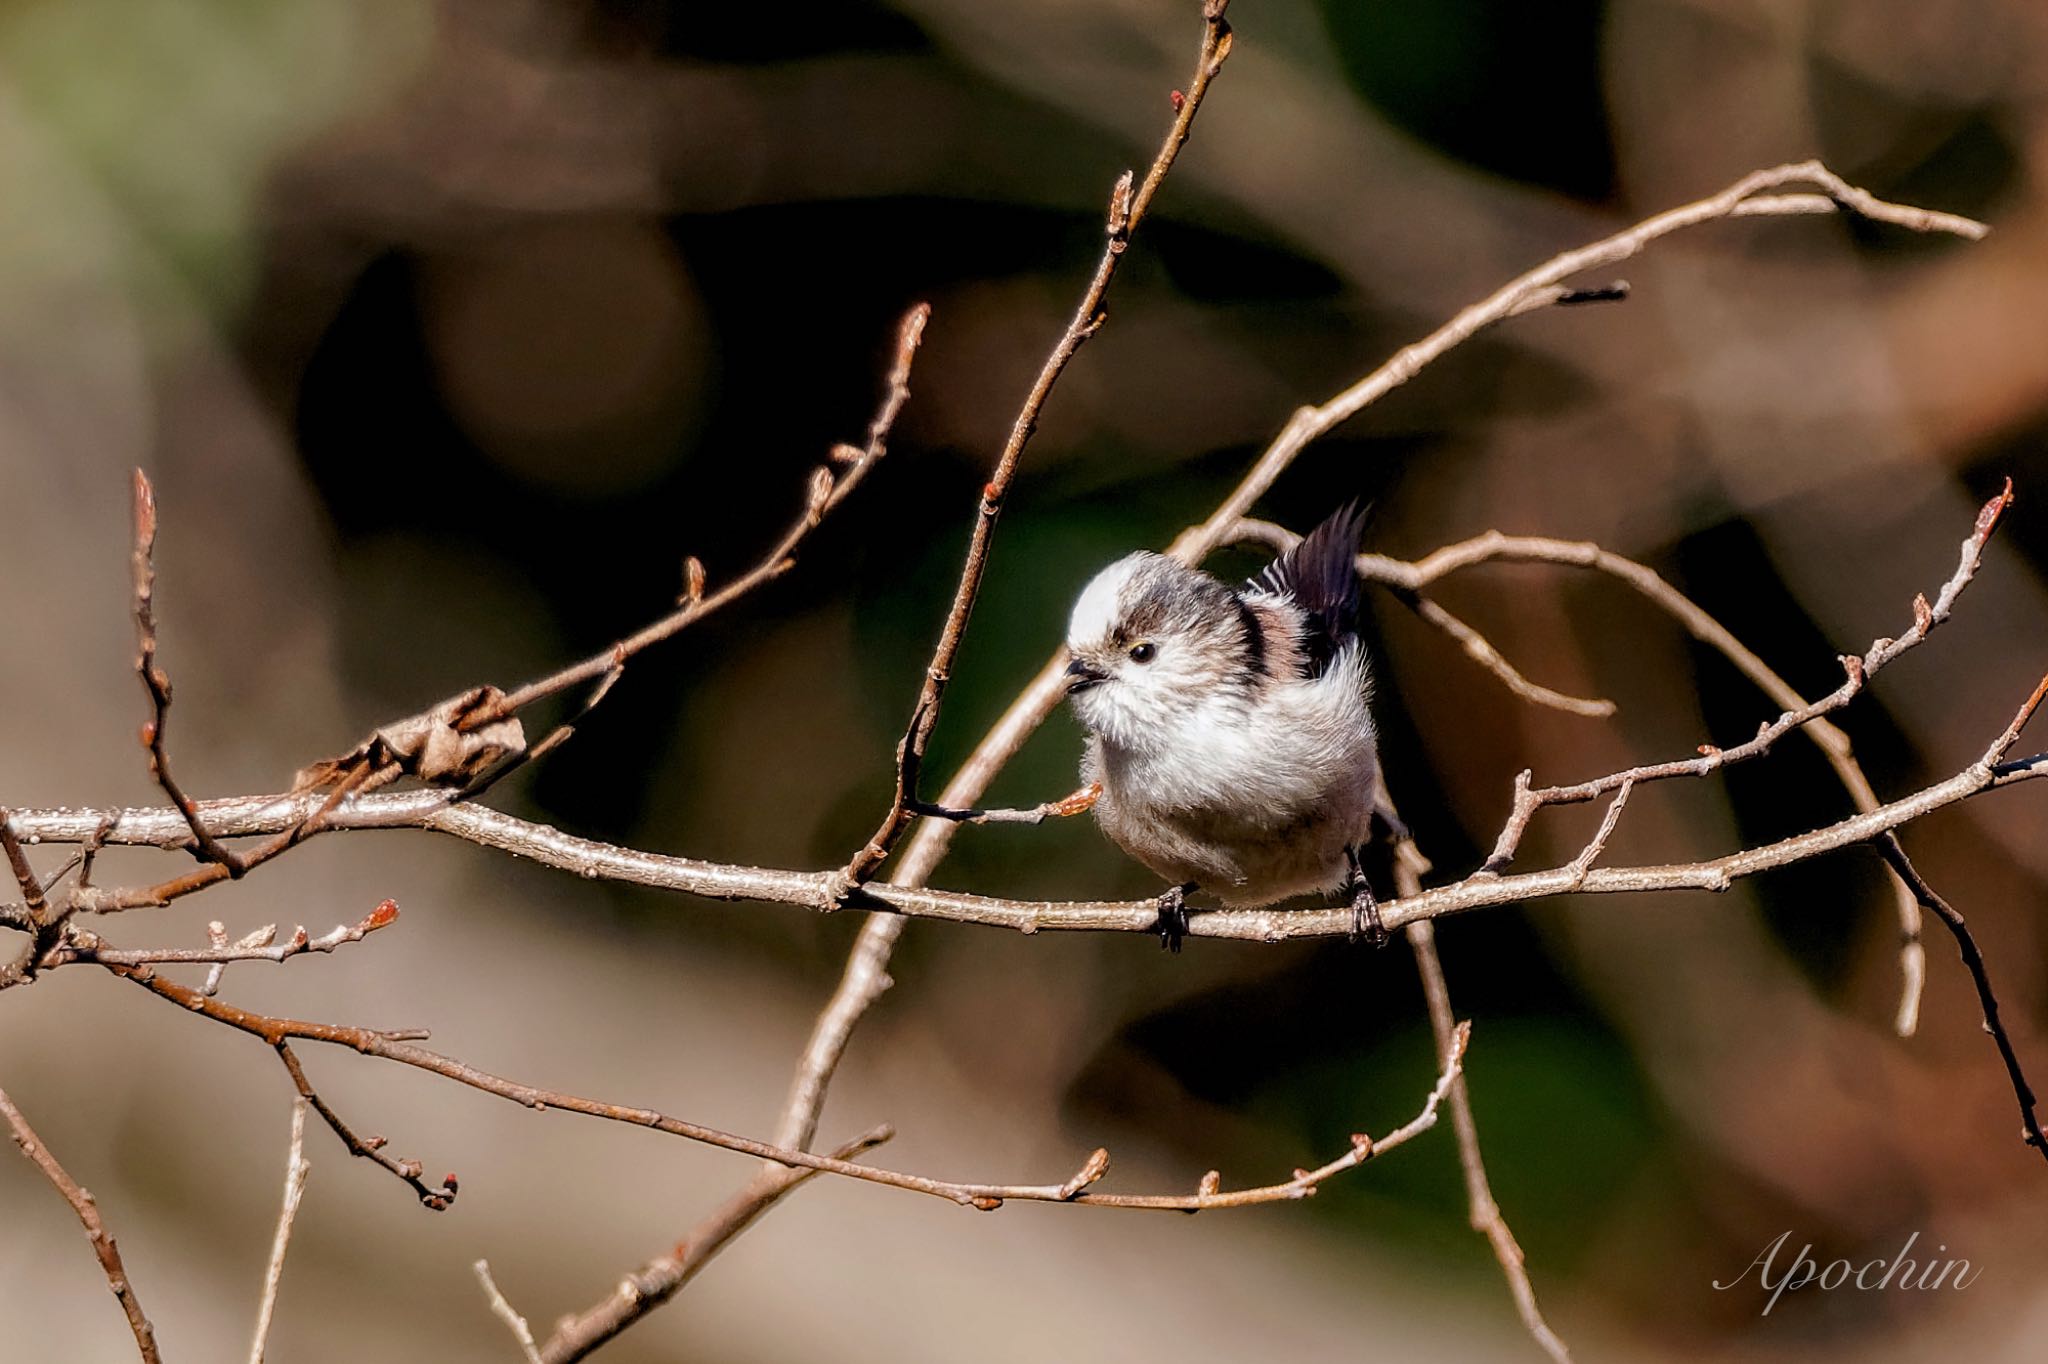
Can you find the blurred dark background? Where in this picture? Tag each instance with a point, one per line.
(449, 329)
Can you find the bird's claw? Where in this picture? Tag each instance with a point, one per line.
(1365, 908)
(1172, 924)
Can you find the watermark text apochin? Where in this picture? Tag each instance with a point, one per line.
(1873, 1276)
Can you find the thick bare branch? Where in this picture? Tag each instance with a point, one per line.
(824, 890)
(817, 890)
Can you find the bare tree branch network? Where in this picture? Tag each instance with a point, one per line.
(428, 771)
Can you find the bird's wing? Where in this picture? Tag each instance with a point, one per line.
(1319, 576)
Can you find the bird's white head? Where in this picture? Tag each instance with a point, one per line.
(1153, 643)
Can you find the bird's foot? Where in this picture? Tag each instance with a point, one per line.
(1172, 925)
(1365, 907)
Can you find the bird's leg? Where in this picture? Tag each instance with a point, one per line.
(1365, 908)
(1172, 925)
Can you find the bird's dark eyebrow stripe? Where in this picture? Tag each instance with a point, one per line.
(1254, 636)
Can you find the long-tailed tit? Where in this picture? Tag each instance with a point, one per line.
(1229, 728)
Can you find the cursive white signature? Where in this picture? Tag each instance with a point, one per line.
(1871, 1277)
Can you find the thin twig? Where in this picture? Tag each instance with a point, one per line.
(45, 925)
(827, 489)
(408, 1171)
(1597, 844)
(1486, 1216)
(1481, 651)
(1894, 854)
(563, 731)
(1078, 802)
(311, 819)
(2002, 745)
(1127, 208)
(505, 1313)
(295, 1172)
(88, 1211)
(158, 683)
(216, 941)
(259, 945)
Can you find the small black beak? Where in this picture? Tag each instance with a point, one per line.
(1083, 677)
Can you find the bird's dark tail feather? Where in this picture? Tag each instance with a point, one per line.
(1321, 575)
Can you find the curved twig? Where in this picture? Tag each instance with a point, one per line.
(985, 1197)
(1894, 854)
(88, 1211)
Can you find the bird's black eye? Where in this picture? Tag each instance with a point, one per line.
(1142, 653)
